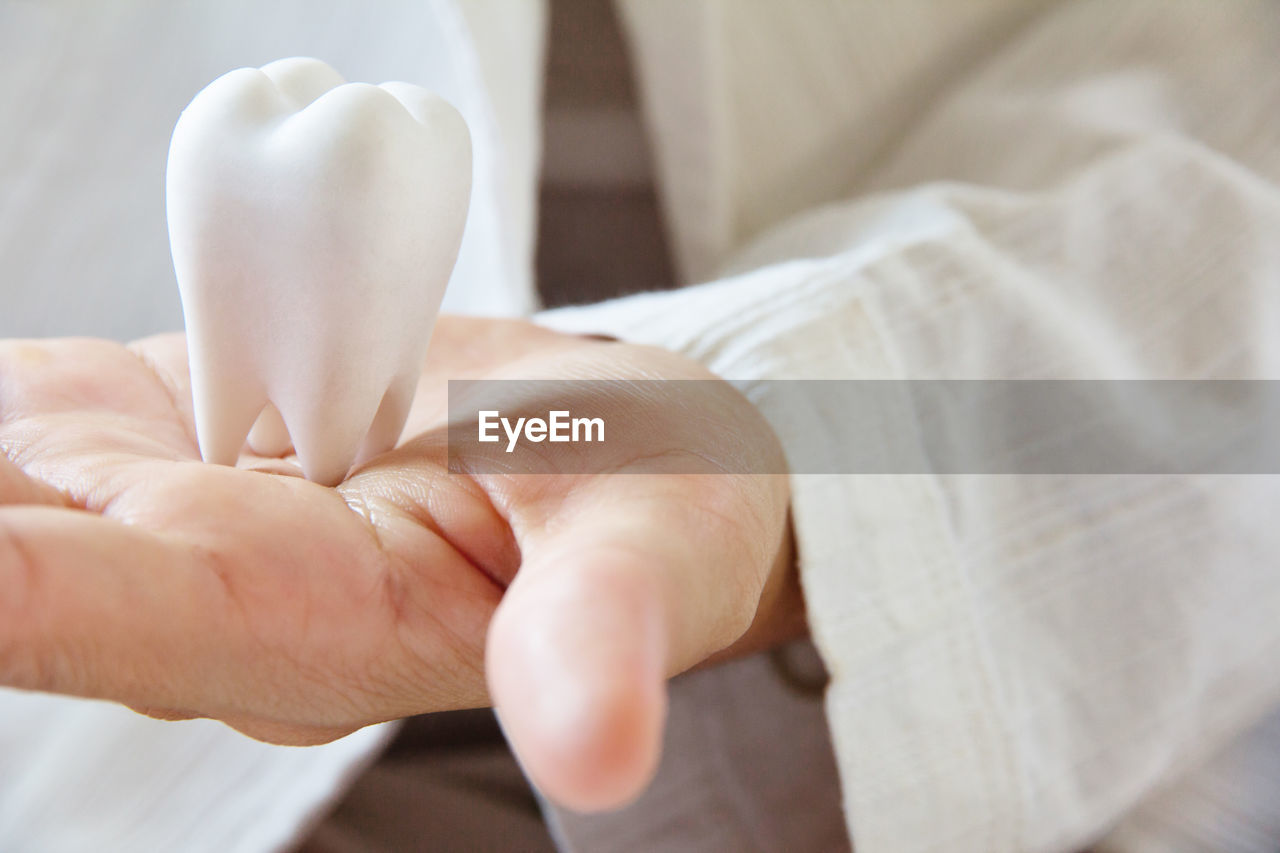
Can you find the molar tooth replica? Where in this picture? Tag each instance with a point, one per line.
(314, 225)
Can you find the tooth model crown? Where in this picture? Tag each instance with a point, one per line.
(314, 224)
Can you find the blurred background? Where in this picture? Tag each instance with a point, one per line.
(599, 228)
(92, 91)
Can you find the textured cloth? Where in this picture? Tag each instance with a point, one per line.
(1017, 662)
(80, 775)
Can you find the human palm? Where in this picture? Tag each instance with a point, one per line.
(130, 570)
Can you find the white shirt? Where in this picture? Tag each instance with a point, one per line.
(999, 190)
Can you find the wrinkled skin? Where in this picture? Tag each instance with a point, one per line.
(131, 571)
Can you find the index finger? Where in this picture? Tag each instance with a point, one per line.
(91, 607)
(17, 488)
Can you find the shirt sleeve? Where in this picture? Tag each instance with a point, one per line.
(1018, 662)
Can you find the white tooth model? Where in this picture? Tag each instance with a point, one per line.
(314, 224)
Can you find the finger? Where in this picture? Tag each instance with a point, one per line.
(90, 386)
(287, 734)
(621, 590)
(40, 377)
(267, 731)
(165, 714)
(95, 608)
(267, 624)
(17, 488)
(166, 355)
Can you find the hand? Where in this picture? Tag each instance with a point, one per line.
(131, 571)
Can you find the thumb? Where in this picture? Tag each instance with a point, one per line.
(633, 581)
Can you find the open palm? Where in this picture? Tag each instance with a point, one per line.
(130, 570)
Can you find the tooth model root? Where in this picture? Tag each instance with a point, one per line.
(327, 440)
(389, 421)
(224, 415)
(225, 404)
(314, 225)
(270, 436)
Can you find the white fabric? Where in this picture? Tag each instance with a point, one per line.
(759, 110)
(1017, 662)
(81, 775)
(1229, 804)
